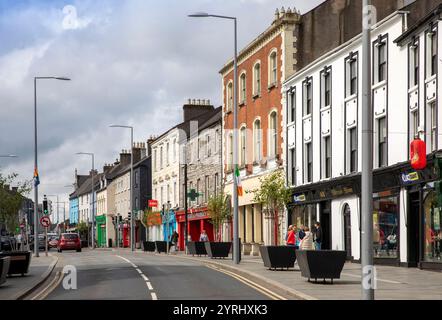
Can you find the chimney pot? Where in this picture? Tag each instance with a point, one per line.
(282, 11)
(189, 101)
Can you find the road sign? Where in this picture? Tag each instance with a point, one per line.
(45, 221)
(193, 195)
(153, 203)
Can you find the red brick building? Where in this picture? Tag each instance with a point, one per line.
(263, 65)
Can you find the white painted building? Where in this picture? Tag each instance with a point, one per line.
(323, 151)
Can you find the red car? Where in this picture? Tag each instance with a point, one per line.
(69, 241)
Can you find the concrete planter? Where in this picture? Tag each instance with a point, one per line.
(196, 248)
(246, 249)
(218, 249)
(4, 268)
(278, 257)
(149, 246)
(322, 264)
(255, 249)
(19, 261)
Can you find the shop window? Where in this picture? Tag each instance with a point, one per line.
(432, 225)
(304, 215)
(385, 227)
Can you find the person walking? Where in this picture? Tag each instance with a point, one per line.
(307, 241)
(287, 234)
(203, 236)
(174, 240)
(301, 232)
(318, 236)
(291, 237)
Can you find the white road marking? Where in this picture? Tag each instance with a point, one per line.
(377, 279)
(146, 279)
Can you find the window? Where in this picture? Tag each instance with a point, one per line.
(414, 125)
(380, 60)
(353, 150)
(175, 194)
(273, 69)
(257, 141)
(327, 157)
(414, 65)
(273, 135)
(174, 150)
(431, 53)
(137, 179)
(433, 126)
(198, 189)
(155, 162)
(293, 166)
(217, 138)
(257, 80)
(351, 76)
(230, 96)
(242, 88)
(215, 187)
(167, 154)
(208, 147)
(162, 196)
(230, 159)
(292, 106)
(168, 193)
(161, 157)
(243, 146)
(308, 96)
(206, 188)
(382, 142)
(326, 88)
(309, 162)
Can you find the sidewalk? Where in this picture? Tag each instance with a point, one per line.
(17, 286)
(394, 283)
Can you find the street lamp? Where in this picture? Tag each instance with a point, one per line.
(132, 233)
(8, 156)
(92, 191)
(236, 249)
(56, 196)
(36, 176)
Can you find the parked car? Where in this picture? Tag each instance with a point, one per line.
(53, 242)
(41, 242)
(7, 243)
(69, 241)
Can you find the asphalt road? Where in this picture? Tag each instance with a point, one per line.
(107, 275)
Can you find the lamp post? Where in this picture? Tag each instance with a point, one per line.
(236, 249)
(132, 230)
(36, 176)
(8, 156)
(92, 200)
(56, 196)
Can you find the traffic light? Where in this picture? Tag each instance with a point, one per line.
(45, 207)
(129, 216)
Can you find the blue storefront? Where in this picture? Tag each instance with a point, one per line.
(172, 225)
(73, 210)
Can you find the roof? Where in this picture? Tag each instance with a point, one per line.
(85, 188)
(217, 117)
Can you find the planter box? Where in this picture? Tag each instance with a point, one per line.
(196, 248)
(19, 261)
(4, 268)
(161, 246)
(149, 246)
(218, 249)
(247, 249)
(322, 264)
(278, 257)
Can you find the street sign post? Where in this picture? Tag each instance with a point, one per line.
(45, 221)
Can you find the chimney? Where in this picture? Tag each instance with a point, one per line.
(136, 152)
(95, 171)
(124, 158)
(196, 109)
(107, 167)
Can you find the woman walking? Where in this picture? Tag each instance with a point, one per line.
(307, 241)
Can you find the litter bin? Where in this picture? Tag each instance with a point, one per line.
(109, 243)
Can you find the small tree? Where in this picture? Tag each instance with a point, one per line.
(11, 200)
(83, 230)
(219, 212)
(274, 197)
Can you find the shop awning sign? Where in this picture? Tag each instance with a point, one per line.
(410, 177)
(299, 198)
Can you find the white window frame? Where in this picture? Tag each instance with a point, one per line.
(229, 96)
(242, 87)
(272, 135)
(257, 141)
(257, 78)
(273, 67)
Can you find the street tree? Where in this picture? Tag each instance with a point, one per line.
(218, 209)
(274, 197)
(11, 200)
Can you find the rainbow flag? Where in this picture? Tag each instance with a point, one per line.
(36, 178)
(238, 182)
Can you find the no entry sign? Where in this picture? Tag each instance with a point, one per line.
(45, 221)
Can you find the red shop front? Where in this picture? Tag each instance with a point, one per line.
(198, 221)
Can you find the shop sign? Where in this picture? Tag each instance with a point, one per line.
(410, 177)
(154, 219)
(197, 215)
(299, 198)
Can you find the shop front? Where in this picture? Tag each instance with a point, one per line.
(101, 230)
(198, 220)
(169, 227)
(153, 222)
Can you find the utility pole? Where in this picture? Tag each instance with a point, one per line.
(367, 157)
(186, 223)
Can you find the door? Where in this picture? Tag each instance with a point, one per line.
(325, 221)
(413, 229)
(347, 231)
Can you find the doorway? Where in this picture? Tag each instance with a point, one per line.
(325, 221)
(347, 231)
(413, 228)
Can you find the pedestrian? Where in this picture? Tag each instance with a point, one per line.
(291, 237)
(318, 236)
(203, 236)
(301, 233)
(307, 241)
(288, 230)
(174, 240)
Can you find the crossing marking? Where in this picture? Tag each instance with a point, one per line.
(154, 296)
(144, 277)
(149, 285)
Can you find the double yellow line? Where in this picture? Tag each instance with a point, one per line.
(272, 295)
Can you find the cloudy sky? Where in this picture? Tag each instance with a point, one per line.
(132, 62)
